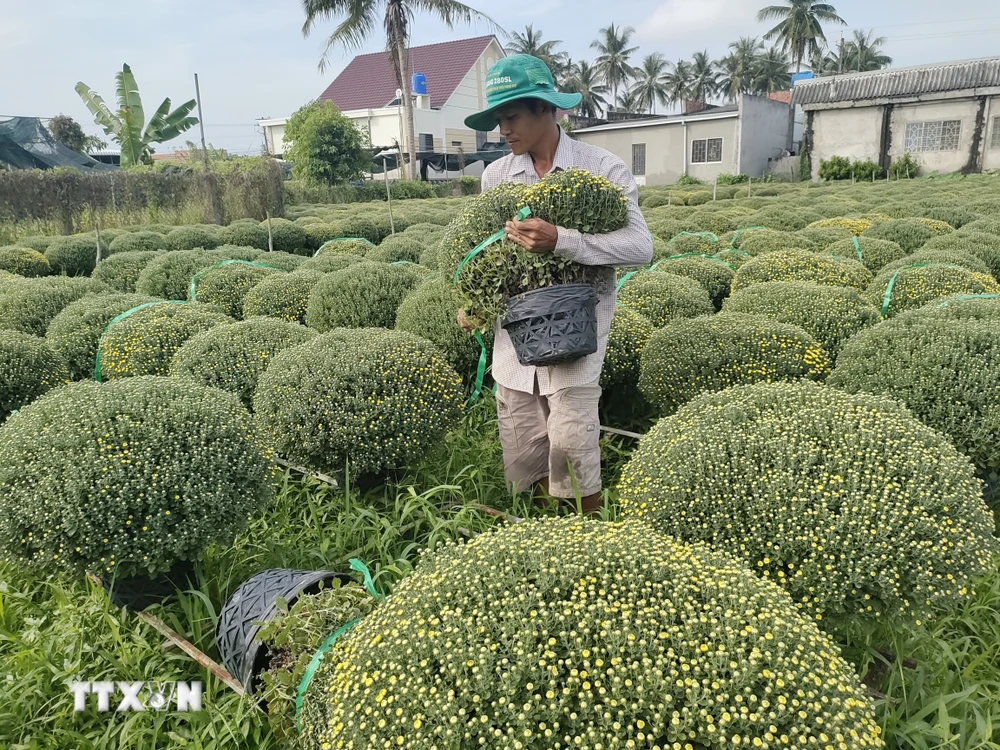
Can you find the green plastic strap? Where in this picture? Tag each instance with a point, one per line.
(705, 235)
(699, 255)
(343, 239)
(194, 280)
(117, 318)
(887, 298)
(314, 665)
(739, 232)
(477, 391)
(403, 263)
(630, 274)
(857, 249)
(359, 566)
(523, 214)
(962, 297)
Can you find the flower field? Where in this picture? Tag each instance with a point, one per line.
(801, 550)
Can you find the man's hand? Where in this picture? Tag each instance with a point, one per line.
(464, 323)
(534, 235)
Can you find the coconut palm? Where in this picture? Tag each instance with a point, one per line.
(585, 81)
(800, 26)
(704, 77)
(737, 68)
(823, 62)
(613, 61)
(678, 81)
(361, 18)
(864, 52)
(127, 125)
(629, 101)
(650, 87)
(530, 43)
(771, 72)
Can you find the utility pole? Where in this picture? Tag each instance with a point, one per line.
(213, 197)
(840, 57)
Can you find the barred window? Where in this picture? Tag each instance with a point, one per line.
(995, 139)
(638, 159)
(706, 151)
(933, 136)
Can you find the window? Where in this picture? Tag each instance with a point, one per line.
(933, 136)
(425, 141)
(480, 139)
(638, 159)
(995, 139)
(706, 151)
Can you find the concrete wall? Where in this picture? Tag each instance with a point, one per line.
(728, 131)
(991, 158)
(935, 161)
(764, 126)
(855, 133)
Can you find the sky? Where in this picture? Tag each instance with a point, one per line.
(254, 62)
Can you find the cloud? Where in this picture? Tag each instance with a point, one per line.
(677, 19)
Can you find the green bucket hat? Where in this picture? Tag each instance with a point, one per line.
(518, 77)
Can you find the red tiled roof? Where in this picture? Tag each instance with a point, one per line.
(368, 82)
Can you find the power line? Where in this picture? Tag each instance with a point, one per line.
(936, 23)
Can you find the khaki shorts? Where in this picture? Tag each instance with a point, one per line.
(555, 436)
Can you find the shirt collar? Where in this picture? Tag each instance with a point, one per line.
(562, 160)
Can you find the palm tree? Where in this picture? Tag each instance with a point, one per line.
(737, 68)
(127, 124)
(612, 62)
(771, 72)
(530, 43)
(704, 77)
(585, 81)
(363, 17)
(650, 87)
(629, 101)
(864, 53)
(800, 26)
(678, 82)
(823, 62)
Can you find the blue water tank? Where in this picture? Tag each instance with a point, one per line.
(803, 76)
(419, 83)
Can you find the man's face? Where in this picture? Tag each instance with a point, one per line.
(521, 128)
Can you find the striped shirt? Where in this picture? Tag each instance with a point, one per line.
(630, 246)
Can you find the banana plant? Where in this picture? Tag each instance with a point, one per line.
(127, 125)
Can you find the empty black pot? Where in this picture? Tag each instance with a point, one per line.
(553, 325)
(138, 592)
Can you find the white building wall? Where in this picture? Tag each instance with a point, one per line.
(854, 133)
(936, 161)
(764, 125)
(991, 153)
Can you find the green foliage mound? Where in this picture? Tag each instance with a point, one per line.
(661, 297)
(75, 255)
(909, 234)
(191, 238)
(941, 256)
(281, 261)
(363, 295)
(371, 398)
(712, 353)
(28, 368)
(801, 265)
(714, 274)
(397, 247)
(282, 295)
(75, 331)
(244, 234)
(430, 311)
(875, 254)
(822, 237)
(29, 305)
(129, 477)
(982, 245)
(136, 242)
(687, 242)
(915, 287)
(320, 233)
(630, 332)
(233, 356)
(782, 218)
(761, 241)
(226, 286)
(169, 275)
(943, 364)
(145, 342)
(121, 271)
(359, 247)
(986, 225)
(366, 227)
(24, 261)
(861, 512)
(331, 262)
(574, 633)
(830, 314)
(289, 237)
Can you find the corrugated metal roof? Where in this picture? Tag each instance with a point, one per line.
(895, 83)
(726, 110)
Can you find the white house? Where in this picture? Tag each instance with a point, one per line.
(947, 116)
(366, 92)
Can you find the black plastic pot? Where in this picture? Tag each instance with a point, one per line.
(254, 603)
(138, 592)
(553, 325)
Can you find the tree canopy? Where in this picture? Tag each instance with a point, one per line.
(326, 146)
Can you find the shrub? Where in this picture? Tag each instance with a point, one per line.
(40, 242)
(320, 234)
(860, 511)
(661, 297)
(330, 263)
(835, 168)
(946, 370)
(955, 217)
(395, 248)
(733, 256)
(169, 275)
(904, 167)
(121, 271)
(430, 311)
(145, 342)
(28, 368)
(984, 246)
(914, 287)
(984, 226)
(761, 241)
(191, 238)
(226, 286)
(875, 254)
(289, 237)
(234, 252)
(136, 242)
(358, 225)
(822, 237)
(72, 256)
(781, 218)
(801, 265)
(909, 234)
(630, 332)
(717, 222)
(281, 261)
(166, 467)
(372, 398)
(857, 226)
(712, 273)
(699, 198)
(29, 305)
(345, 247)
(712, 353)
(830, 314)
(940, 256)
(687, 242)
(75, 331)
(24, 261)
(233, 356)
(282, 295)
(937, 227)
(576, 633)
(363, 295)
(244, 234)
(866, 170)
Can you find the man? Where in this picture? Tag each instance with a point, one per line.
(548, 416)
